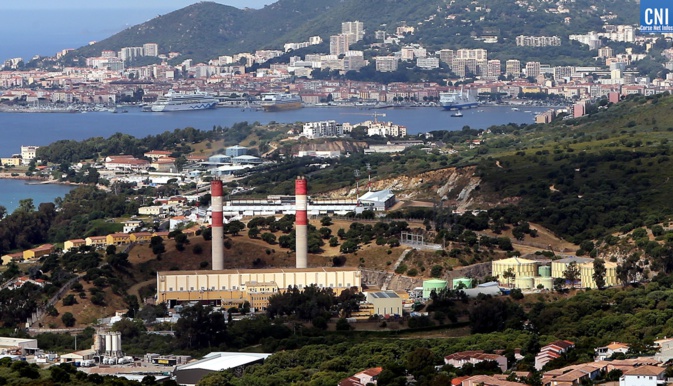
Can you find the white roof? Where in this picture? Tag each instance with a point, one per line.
(245, 156)
(380, 196)
(217, 361)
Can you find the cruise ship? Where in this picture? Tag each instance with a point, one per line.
(280, 101)
(457, 100)
(175, 101)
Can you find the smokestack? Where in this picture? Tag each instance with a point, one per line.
(301, 221)
(216, 225)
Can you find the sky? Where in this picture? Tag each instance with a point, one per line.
(44, 27)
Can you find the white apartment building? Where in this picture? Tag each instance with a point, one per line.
(322, 129)
(338, 44)
(533, 69)
(28, 153)
(386, 63)
(538, 41)
(513, 67)
(151, 49)
(476, 54)
(355, 28)
(427, 63)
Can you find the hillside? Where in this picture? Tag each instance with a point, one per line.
(206, 30)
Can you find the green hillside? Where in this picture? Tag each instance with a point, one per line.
(206, 30)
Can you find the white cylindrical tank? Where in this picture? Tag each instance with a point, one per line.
(119, 342)
(113, 339)
(108, 342)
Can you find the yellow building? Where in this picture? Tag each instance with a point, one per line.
(163, 235)
(254, 285)
(11, 161)
(118, 239)
(73, 244)
(587, 273)
(559, 267)
(38, 252)
(15, 257)
(96, 241)
(520, 267)
(141, 237)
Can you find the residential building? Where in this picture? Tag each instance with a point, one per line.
(552, 351)
(487, 380)
(427, 63)
(156, 154)
(363, 378)
(28, 153)
(537, 41)
(513, 67)
(462, 358)
(118, 239)
(150, 49)
(96, 241)
(446, 56)
(12, 257)
(151, 210)
(476, 54)
(131, 225)
(605, 352)
(355, 28)
(141, 237)
(322, 129)
(644, 376)
(354, 62)
(35, 253)
(533, 69)
(386, 63)
(339, 44)
(493, 69)
(70, 245)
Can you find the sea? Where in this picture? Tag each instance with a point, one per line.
(40, 129)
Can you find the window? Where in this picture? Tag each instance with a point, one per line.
(224, 287)
(170, 289)
(191, 288)
(182, 289)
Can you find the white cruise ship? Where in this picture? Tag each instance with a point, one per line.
(175, 101)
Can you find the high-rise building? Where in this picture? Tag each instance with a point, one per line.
(446, 56)
(353, 62)
(338, 44)
(493, 69)
(476, 54)
(356, 28)
(532, 69)
(151, 49)
(130, 53)
(513, 67)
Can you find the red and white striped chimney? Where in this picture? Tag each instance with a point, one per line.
(216, 224)
(301, 221)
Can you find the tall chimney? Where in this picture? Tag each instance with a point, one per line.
(301, 221)
(218, 231)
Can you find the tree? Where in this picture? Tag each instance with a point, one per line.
(68, 319)
(572, 273)
(509, 275)
(599, 273)
(326, 221)
(253, 233)
(436, 271)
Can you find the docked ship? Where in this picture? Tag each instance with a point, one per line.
(175, 101)
(280, 101)
(457, 100)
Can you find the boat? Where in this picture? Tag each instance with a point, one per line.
(281, 101)
(457, 100)
(515, 109)
(175, 101)
(457, 114)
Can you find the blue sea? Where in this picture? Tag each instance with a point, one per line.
(15, 190)
(17, 129)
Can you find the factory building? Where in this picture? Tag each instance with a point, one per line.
(224, 287)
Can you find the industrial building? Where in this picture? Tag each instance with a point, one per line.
(530, 274)
(17, 346)
(234, 286)
(385, 302)
(191, 373)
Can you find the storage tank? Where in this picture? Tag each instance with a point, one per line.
(465, 281)
(520, 267)
(547, 282)
(544, 270)
(119, 342)
(98, 343)
(108, 343)
(524, 282)
(433, 284)
(113, 339)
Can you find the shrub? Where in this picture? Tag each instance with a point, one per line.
(68, 319)
(69, 300)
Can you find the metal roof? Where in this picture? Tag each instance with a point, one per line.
(217, 361)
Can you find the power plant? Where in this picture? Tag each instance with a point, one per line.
(217, 221)
(231, 287)
(301, 221)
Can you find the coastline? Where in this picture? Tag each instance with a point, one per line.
(35, 180)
